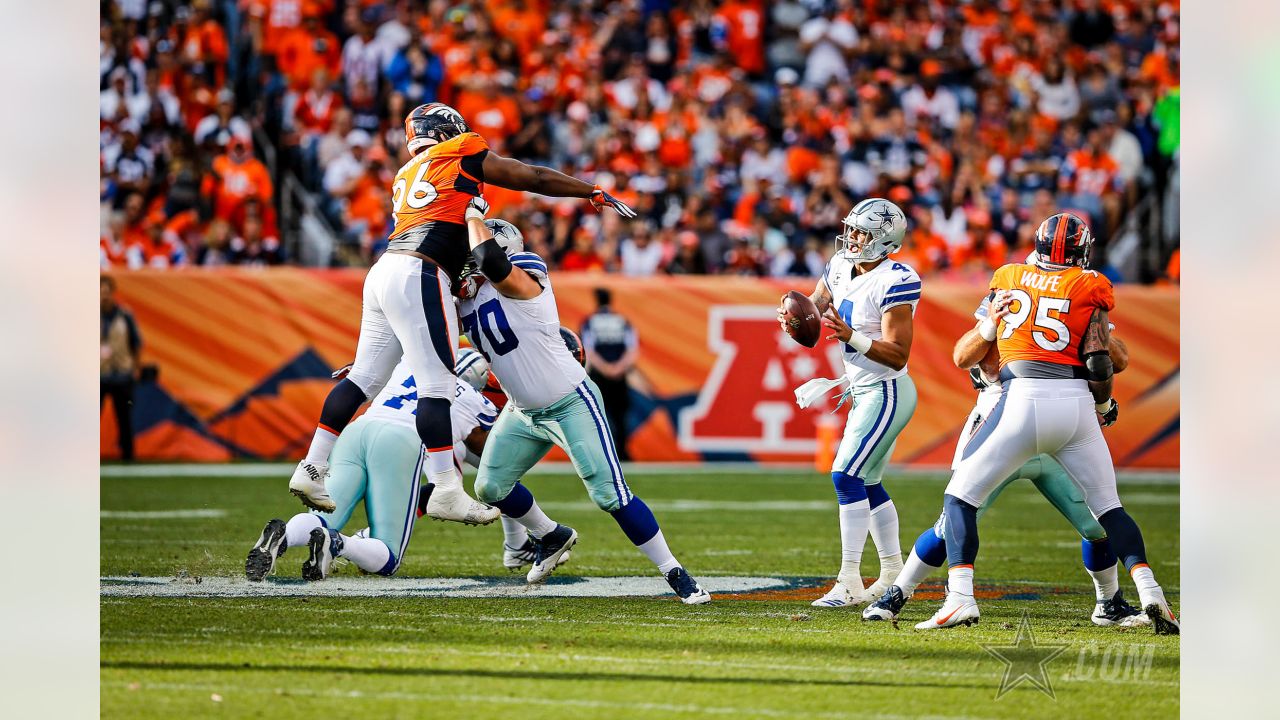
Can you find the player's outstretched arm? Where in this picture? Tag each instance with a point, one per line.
(509, 280)
(515, 175)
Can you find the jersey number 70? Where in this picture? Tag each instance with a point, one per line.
(490, 320)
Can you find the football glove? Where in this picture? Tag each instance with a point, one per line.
(1108, 412)
(342, 372)
(476, 209)
(601, 199)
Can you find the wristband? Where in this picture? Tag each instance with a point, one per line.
(987, 329)
(859, 342)
(1104, 407)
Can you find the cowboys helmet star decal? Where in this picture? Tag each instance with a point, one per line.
(885, 215)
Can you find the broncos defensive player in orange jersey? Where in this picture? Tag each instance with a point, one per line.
(1049, 322)
(408, 307)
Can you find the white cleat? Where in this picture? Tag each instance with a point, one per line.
(515, 558)
(842, 596)
(550, 552)
(956, 610)
(261, 560)
(308, 484)
(1160, 614)
(323, 547)
(454, 504)
(1118, 613)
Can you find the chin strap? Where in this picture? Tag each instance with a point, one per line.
(810, 392)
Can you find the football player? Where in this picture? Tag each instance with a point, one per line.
(930, 550)
(378, 461)
(509, 313)
(868, 301)
(1049, 321)
(408, 306)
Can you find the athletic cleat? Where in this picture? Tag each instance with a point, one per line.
(261, 561)
(323, 548)
(690, 592)
(308, 484)
(1118, 612)
(956, 610)
(839, 596)
(887, 607)
(550, 552)
(516, 558)
(454, 504)
(1161, 615)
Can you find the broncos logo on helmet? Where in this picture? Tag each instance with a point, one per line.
(431, 124)
(1063, 240)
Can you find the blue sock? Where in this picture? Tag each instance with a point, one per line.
(516, 503)
(1126, 538)
(877, 495)
(960, 531)
(1097, 554)
(637, 521)
(849, 489)
(931, 548)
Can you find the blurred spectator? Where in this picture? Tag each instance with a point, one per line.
(612, 347)
(121, 344)
(639, 254)
(234, 178)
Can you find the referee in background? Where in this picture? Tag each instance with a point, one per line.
(612, 347)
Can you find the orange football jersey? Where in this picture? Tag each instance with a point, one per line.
(1049, 313)
(436, 184)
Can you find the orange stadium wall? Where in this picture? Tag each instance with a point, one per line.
(245, 355)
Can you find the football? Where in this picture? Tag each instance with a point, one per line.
(803, 318)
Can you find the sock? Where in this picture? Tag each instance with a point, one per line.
(321, 445)
(513, 533)
(1101, 565)
(960, 579)
(960, 531)
(914, 571)
(854, 521)
(1145, 580)
(884, 533)
(520, 506)
(641, 528)
(298, 530)
(339, 406)
(370, 555)
(1125, 537)
(436, 433)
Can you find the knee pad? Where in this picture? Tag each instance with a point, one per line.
(931, 548)
(849, 489)
(877, 495)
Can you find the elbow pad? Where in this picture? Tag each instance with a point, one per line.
(1098, 365)
(493, 260)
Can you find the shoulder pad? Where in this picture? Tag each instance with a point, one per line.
(530, 263)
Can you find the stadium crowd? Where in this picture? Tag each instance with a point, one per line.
(742, 131)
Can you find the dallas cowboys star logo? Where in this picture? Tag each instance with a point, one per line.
(1025, 660)
(885, 216)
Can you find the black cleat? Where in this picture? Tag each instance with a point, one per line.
(261, 561)
(1118, 612)
(322, 548)
(688, 589)
(551, 551)
(887, 607)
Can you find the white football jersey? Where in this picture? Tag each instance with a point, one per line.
(862, 300)
(398, 403)
(521, 339)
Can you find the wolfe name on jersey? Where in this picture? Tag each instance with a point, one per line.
(1049, 312)
(521, 339)
(862, 300)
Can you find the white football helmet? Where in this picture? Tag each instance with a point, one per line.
(873, 229)
(509, 237)
(472, 369)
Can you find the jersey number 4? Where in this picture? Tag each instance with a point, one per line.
(491, 321)
(1044, 321)
(417, 195)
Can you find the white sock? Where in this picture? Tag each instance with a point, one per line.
(854, 520)
(884, 533)
(536, 521)
(513, 533)
(321, 445)
(440, 469)
(298, 530)
(960, 580)
(1105, 582)
(1145, 580)
(913, 573)
(657, 551)
(368, 554)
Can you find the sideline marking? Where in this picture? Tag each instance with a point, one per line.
(161, 514)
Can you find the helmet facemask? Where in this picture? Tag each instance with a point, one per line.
(872, 231)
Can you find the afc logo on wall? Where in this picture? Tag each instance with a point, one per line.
(748, 402)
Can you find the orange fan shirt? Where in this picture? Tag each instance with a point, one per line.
(1049, 313)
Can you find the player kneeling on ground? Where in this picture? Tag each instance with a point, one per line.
(509, 313)
(378, 460)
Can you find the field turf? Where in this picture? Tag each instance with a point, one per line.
(755, 655)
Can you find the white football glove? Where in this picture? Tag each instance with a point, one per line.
(477, 209)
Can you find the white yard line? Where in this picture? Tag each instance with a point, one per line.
(161, 514)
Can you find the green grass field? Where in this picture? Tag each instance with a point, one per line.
(763, 654)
